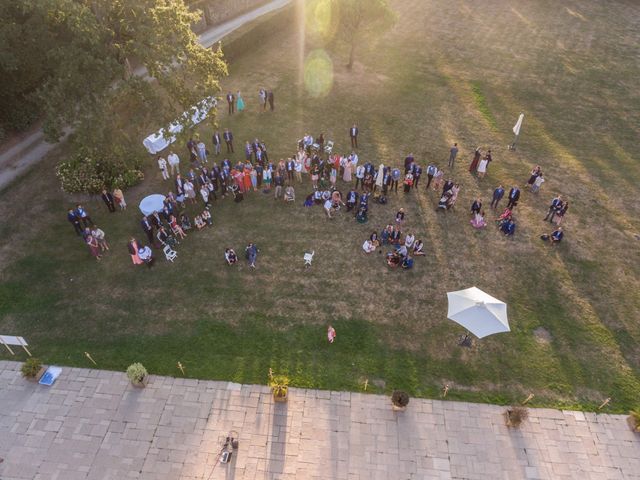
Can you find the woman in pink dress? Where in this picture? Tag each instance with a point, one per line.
(133, 251)
(94, 248)
(238, 177)
(347, 171)
(331, 334)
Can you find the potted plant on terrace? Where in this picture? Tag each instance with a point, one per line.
(634, 420)
(400, 400)
(32, 369)
(138, 375)
(279, 386)
(516, 415)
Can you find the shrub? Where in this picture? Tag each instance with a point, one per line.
(90, 170)
(136, 372)
(400, 398)
(31, 367)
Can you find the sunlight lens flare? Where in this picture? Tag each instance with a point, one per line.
(321, 19)
(318, 73)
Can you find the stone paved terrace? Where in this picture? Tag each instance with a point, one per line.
(93, 424)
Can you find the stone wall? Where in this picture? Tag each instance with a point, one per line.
(219, 11)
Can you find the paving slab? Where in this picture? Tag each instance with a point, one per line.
(93, 424)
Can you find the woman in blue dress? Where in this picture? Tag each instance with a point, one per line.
(240, 102)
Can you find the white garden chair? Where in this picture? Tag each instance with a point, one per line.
(329, 148)
(308, 258)
(170, 253)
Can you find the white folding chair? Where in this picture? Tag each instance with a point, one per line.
(308, 258)
(329, 147)
(169, 253)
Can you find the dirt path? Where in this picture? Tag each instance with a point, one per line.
(16, 160)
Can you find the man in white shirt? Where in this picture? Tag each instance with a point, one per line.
(359, 176)
(174, 162)
(162, 165)
(354, 160)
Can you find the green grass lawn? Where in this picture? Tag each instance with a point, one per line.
(449, 71)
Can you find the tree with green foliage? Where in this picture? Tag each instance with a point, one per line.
(87, 79)
(361, 19)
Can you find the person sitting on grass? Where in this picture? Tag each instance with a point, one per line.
(508, 227)
(418, 248)
(556, 236)
(506, 215)
(230, 256)
(199, 222)
(407, 263)
(185, 222)
(409, 239)
(393, 259)
(402, 250)
(478, 220)
(206, 216)
(336, 199)
(289, 194)
(328, 208)
(368, 246)
(308, 202)
(374, 239)
(445, 200)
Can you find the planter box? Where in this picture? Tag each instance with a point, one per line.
(632, 424)
(141, 384)
(279, 399)
(38, 376)
(397, 408)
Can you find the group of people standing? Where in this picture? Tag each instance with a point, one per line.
(92, 235)
(235, 102)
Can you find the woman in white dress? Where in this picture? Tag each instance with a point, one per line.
(190, 191)
(482, 167)
(347, 171)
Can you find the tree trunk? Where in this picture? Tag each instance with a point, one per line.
(351, 54)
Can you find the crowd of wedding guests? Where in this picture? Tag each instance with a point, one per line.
(211, 177)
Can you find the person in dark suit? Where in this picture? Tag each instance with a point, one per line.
(514, 196)
(417, 173)
(476, 206)
(107, 198)
(216, 140)
(75, 221)
(554, 208)
(228, 138)
(353, 133)
(498, 193)
(231, 100)
(408, 163)
(148, 229)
